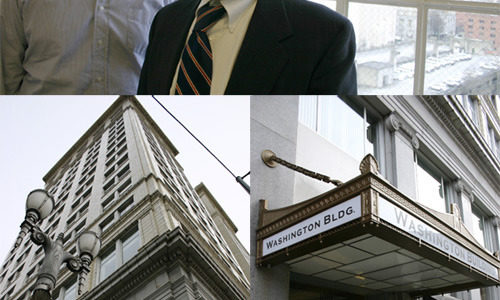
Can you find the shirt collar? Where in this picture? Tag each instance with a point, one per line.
(234, 9)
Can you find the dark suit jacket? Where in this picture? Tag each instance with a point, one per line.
(291, 47)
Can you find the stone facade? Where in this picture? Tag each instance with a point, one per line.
(159, 241)
(404, 130)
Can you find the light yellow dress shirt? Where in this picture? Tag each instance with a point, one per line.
(225, 38)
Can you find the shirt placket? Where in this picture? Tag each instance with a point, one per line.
(100, 47)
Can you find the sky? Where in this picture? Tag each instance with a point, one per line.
(36, 131)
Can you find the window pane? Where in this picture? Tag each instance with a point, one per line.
(342, 126)
(463, 53)
(470, 107)
(339, 123)
(108, 265)
(125, 206)
(477, 227)
(498, 149)
(70, 293)
(130, 246)
(385, 40)
(107, 223)
(430, 191)
(308, 111)
(328, 3)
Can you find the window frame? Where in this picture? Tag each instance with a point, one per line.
(423, 7)
(371, 121)
(479, 214)
(111, 253)
(115, 248)
(433, 170)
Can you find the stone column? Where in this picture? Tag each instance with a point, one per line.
(404, 141)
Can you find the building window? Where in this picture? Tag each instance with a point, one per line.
(124, 187)
(130, 246)
(71, 220)
(73, 234)
(470, 107)
(123, 172)
(10, 292)
(478, 226)
(122, 160)
(110, 220)
(498, 149)
(107, 223)
(124, 249)
(125, 206)
(390, 61)
(108, 201)
(108, 265)
(108, 185)
(30, 274)
(70, 293)
(384, 29)
(67, 292)
(491, 138)
(430, 186)
(339, 123)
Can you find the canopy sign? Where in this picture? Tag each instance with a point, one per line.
(328, 219)
(417, 228)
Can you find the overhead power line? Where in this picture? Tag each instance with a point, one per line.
(238, 179)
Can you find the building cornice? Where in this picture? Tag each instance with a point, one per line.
(173, 247)
(101, 121)
(469, 138)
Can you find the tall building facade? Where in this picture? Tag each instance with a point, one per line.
(416, 218)
(159, 239)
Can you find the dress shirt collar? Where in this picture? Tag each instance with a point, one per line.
(234, 9)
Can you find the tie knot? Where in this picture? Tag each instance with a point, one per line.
(207, 16)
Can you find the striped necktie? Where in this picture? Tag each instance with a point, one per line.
(195, 71)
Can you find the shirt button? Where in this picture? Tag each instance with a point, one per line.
(99, 41)
(101, 7)
(99, 78)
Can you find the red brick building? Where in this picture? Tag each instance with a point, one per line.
(480, 27)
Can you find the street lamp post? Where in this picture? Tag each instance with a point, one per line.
(39, 205)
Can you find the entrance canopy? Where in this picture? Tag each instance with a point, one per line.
(366, 234)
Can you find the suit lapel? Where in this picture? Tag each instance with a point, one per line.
(175, 36)
(262, 56)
